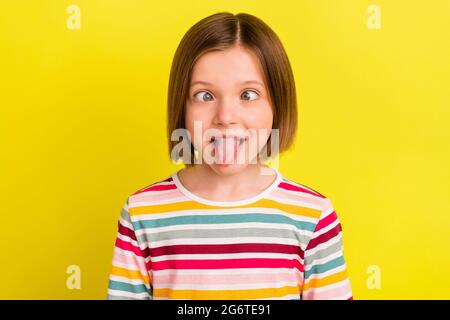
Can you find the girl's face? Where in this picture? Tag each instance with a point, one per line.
(228, 93)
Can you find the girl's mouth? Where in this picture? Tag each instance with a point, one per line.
(226, 148)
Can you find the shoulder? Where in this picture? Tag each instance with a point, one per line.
(291, 185)
(303, 194)
(159, 185)
(326, 220)
(154, 189)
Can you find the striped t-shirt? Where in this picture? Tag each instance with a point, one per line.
(284, 243)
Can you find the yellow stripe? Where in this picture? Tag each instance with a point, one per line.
(334, 278)
(130, 274)
(192, 205)
(225, 294)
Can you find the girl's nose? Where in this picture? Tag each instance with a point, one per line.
(226, 113)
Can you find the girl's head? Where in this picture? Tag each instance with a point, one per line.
(230, 73)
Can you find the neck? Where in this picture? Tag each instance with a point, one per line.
(250, 180)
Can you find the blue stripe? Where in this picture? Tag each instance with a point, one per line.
(321, 268)
(135, 288)
(225, 218)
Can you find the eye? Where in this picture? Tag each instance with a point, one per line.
(247, 95)
(206, 94)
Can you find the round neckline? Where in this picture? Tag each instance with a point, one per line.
(202, 200)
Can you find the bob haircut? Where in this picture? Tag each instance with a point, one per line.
(219, 32)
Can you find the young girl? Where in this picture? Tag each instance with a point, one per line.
(221, 228)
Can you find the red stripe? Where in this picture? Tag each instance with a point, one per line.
(226, 248)
(324, 237)
(324, 222)
(125, 245)
(130, 233)
(156, 187)
(291, 187)
(227, 264)
(125, 231)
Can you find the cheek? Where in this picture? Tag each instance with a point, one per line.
(261, 118)
(189, 121)
(194, 114)
(195, 117)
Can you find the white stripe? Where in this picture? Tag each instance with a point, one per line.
(300, 218)
(328, 287)
(154, 202)
(298, 203)
(221, 226)
(327, 228)
(344, 297)
(132, 241)
(328, 208)
(323, 260)
(326, 274)
(118, 293)
(125, 223)
(131, 267)
(129, 254)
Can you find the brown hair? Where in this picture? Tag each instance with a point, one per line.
(219, 32)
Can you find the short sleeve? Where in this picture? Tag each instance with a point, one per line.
(325, 271)
(129, 278)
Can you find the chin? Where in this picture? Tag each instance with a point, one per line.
(228, 169)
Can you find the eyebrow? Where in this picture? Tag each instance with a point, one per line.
(244, 82)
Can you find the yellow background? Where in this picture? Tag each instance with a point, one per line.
(83, 115)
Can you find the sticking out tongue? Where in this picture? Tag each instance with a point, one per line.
(225, 150)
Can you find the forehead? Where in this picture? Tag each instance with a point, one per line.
(231, 66)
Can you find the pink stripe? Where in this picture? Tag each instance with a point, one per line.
(313, 202)
(330, 294)
(227, 264)
(227, 278)
(124, 260)
(157, 196)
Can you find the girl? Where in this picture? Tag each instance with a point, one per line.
(227, 226)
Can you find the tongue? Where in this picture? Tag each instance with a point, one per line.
(226, 150)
